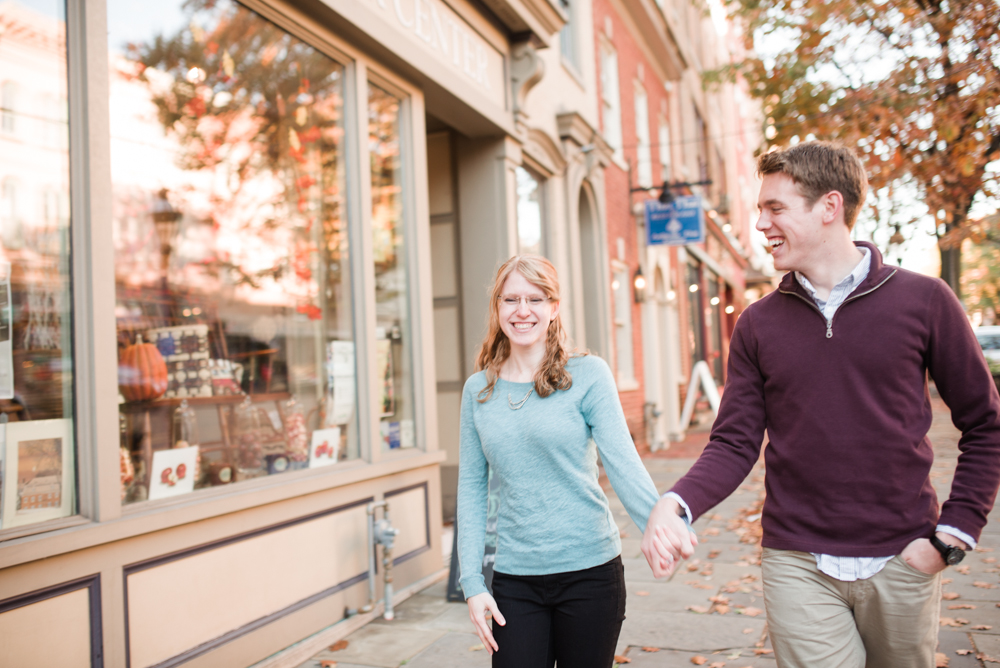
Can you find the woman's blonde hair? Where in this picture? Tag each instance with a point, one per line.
(552, 374)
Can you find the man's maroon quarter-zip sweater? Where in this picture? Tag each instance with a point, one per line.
(847, 410)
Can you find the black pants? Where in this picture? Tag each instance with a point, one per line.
(571, 618)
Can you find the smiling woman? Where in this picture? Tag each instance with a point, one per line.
(534, 416)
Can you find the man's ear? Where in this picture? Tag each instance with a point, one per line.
(832, 205)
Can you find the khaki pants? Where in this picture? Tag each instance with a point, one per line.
(815, 621)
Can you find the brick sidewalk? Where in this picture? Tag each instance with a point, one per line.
(711, 608)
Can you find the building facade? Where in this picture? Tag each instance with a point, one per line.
(673, 306)
(245, 249)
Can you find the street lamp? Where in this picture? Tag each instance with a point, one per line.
(666, 197)
(895, 242)
(639, 283)
(166, 219)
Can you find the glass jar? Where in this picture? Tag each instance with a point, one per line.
(296, 434)
(184, 434)
(247, 436)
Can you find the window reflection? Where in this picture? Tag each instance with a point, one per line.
(529, 212)
(234, 303)
(393, 336)
(37, 453)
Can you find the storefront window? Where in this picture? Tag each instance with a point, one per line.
(234, 294)
(393, 334)
(529, 212)
(37, 451)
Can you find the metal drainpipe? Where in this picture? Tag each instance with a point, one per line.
(382, 533)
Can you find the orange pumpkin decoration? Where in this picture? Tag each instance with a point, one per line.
(142, 372)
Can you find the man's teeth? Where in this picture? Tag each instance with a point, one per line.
(776, 242)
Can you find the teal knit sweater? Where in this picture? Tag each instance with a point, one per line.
(553, 515)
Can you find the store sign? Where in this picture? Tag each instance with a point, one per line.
(676, 224)
(440, 30)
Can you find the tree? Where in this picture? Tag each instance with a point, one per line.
(914, 84)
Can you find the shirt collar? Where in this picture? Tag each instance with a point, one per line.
(850, 281)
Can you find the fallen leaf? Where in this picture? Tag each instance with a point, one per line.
(476, 648)
(950, 621)
(964, 569)
(760, 651)
(327, 663)
(984, 585)
(751, 611)
(989, 560)
(963, 652)
(940, 660)
(950, 595)
(717, 664)
(722, 609)
(746, 631)
(987, 657)
(982, 627)
(713, 554)
(946, 581)
(962, 606)
(700, 609)
(711, 531)
(642, 593)
(699, 660)
(719, 599)
(650, 649)
(622, 659)
(339, 645)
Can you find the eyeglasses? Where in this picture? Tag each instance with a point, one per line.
(512, 301)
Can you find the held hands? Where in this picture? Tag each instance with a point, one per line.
(667, 539)
(478, 605)
(924, 557)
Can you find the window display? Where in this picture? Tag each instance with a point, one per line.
(38, 452)
(393, 336)
(234, 293)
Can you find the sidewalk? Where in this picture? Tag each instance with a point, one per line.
(711, 611)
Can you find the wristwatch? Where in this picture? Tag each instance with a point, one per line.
(951, 554)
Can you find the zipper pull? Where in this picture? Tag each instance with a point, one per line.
(829, 329)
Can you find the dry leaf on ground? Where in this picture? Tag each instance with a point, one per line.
(989, 560)
(339, 645)
(717, 664)
(946, 581)
(963, 569)
(746, 631)
(761, 651)
(327, 663)
(751, 611)
(622, 659)
(719, 599)
(700, 609)
(950, 595)
(651, 649)
(476, 648)
(981, 627)
(713, 554)
(940, 660)
(642, 593)
(984, 585)
(987, 657)
(963, 652)
(951, 621)
(699, 660)
(962, 606)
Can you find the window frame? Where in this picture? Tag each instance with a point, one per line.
(101, 517)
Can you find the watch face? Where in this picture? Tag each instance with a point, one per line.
(955, 555)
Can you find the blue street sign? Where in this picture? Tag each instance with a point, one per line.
(676, 224)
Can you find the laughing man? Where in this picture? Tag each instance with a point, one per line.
(834, 366)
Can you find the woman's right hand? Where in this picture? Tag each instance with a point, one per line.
(478, 605)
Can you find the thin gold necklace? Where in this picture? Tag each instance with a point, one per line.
(516, 406)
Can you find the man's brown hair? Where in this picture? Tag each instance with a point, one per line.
(819, 167)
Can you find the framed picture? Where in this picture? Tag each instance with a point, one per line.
(38, 472)
(325, 443)
(173, 472)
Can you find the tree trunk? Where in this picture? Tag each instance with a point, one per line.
(951, 268)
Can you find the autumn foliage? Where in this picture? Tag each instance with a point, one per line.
(913, 84)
